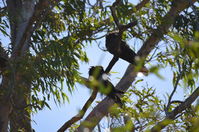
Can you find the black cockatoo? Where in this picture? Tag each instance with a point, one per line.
(103, 85)
(120, 49)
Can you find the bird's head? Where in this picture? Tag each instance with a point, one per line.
(112, 35)
(96, 72)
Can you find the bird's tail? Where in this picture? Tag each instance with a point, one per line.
(117, 100)
(118, 91)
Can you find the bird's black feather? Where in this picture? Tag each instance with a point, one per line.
(105, 86)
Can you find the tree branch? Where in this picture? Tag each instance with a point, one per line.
(111, 64)
(140, 5)
(179, 76)
(102, 108)
(80, 114)
(167, 21)
(137, 8)
(172, 115)
(114, 14)
(120, 26)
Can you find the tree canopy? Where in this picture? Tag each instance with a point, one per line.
(47, 42)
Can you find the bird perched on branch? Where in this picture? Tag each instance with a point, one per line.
(119, 49)
(103, 85)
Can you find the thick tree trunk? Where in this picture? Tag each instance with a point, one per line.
(14, 94)
(5, 109)
(5, 104)
(14, 98)
(20, 117)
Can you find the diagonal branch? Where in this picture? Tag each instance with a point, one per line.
(172, 115)
(163, 28)
(102, 108)
(80, 114)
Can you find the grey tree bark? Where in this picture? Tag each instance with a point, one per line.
(12, 103)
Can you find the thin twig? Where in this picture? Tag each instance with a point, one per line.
(98, 126)
(175, 87)
(129, 25)
(152, 56)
